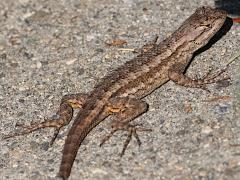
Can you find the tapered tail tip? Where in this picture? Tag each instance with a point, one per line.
(61, 177)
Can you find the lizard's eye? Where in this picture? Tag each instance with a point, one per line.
(208, 25)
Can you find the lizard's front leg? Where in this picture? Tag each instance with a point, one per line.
(175, 73)
(126, 110)
(64, 116)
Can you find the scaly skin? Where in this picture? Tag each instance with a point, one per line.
(137, 78)
(120, 93)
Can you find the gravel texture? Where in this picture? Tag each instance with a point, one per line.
(50, 48)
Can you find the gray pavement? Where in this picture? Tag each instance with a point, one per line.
(51, 48)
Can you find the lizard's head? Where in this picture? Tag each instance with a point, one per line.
(200, 27)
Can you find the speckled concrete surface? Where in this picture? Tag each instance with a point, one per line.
(51, 48)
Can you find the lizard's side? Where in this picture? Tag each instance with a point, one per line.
(120, 93)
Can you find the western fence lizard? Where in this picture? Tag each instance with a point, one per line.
(120, 93)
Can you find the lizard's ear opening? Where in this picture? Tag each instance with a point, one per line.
(208, 25)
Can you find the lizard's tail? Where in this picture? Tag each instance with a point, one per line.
(81, 127)
(70, 150)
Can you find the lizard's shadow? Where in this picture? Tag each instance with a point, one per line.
(224, 29)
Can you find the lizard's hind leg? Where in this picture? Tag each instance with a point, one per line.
(126, 110)
(64, 116)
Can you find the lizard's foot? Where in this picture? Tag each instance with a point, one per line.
(175, 74)
(126, 109)
(132, 131)
(209, 78)
(26, 129)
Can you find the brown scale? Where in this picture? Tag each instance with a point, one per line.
(119, 93)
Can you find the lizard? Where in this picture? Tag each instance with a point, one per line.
(121, 92)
